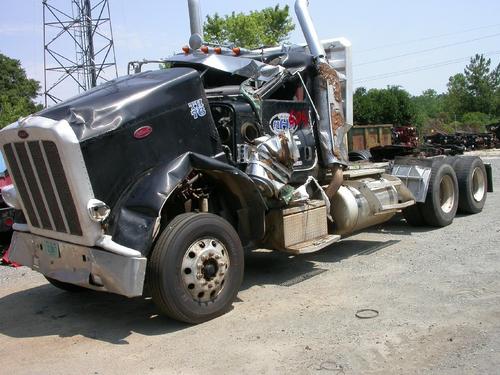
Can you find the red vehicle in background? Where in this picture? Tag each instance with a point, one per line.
(405, 135)
(6, 213)
(4, 179)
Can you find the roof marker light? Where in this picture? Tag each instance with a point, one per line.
(186, 49)
(237, 51)
(204, 49)
(218, 50)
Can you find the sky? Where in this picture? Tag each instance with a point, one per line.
(414, 44)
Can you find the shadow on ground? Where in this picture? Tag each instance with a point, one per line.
(45, 310)
(398, 226)
(277, 268)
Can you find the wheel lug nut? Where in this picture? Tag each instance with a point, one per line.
(203, 258)
(210, 254)
(217, 256)
(210, 285)
(221, 274)
(199, 276)
(216, 282)
(221, 264)
(201, 244)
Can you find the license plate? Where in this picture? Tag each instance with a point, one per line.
(52, 248)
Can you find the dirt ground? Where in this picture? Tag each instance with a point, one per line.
(437, 292)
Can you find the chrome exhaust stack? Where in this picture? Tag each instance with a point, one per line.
(195, 23)
(308, 29)
(331, 129)
(195, 17)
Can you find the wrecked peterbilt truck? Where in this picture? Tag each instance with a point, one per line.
(163, 178)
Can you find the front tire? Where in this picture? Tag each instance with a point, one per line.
(196, 268)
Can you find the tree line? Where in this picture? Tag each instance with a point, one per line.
(17, 92)
(472, 100)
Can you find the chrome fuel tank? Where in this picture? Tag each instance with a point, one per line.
(359, 204)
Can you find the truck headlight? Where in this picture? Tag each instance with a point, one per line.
(98, 210)
(9, 195)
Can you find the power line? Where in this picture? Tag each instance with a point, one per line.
(428, 49)
(420, 68)
(425, 38)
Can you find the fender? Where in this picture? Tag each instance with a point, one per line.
(135, 219)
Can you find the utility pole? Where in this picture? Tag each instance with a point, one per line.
(79, 52)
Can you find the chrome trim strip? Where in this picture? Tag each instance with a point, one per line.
(54, 186)
(108, 244)
(40, 187)
(21, 227)
(28, 189)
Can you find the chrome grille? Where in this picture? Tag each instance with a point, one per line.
(43, 187)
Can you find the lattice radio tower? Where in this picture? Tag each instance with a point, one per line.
(78, 47)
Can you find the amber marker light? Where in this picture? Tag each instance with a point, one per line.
(218, 50)
(204, 49)
(236, 50)
(186, 49)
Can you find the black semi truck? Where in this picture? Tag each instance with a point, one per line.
(164, 178)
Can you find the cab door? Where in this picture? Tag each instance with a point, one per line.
(295, 116)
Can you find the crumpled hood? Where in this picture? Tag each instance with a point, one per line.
(109, 106)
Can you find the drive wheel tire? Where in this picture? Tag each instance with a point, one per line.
(66, 286)
(451, 160)
(196, 268)
(413, 216)
(472, 184)
(441, 203)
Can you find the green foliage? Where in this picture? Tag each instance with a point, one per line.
(267, 27)
(16, 91)
(430, 110)
(475, 121)
(392, 105)
(471, 102)
(457, 98)
(165, 65)
(430, 103)
(475, 90)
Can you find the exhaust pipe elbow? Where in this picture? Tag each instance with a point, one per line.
(308, 29)
(335, 182)
(195, 17)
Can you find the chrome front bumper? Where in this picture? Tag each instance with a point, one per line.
(89, 267)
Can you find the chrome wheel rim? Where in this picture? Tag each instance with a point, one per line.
(446, 194)
(478, 184)
(204, 268)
